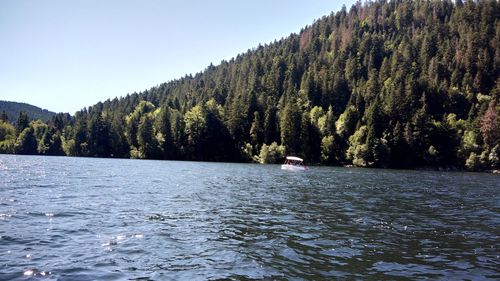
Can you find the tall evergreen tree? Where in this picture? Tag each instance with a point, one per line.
(290, 126)
(4, 117)
(22, 121)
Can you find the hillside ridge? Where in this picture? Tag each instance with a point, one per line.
(12, 109)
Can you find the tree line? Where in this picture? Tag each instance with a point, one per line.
(396, 84)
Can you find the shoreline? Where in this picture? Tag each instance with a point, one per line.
(423, 168)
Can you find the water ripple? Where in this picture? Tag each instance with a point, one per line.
(65, 218)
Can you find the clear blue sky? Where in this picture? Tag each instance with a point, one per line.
(64, 55)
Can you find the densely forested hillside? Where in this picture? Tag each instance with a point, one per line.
(384, 84)
(12, 110)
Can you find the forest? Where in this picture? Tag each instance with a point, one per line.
(396, 84)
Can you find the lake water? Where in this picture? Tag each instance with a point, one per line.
(65, 218)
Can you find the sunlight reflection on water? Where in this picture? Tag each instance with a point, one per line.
(86, 219)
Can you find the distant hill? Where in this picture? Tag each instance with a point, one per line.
(13, 108)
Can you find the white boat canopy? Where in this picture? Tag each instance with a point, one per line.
(293, 158)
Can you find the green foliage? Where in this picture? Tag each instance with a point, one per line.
(79, 144)
(330, 150)
(195, 127)
(22, 121)
(118, 142)
(290, 125)
(387, 84)
(473, 163)
(326, 123)
(271, 130)
(69, 147)
(358, 149)
(55, 147)
(256, 131)
(271, 154)
(494, 157)
(98, 136)
(26, 142)
(7, 131)
(346, 124)
(148, 146)
(44, 142)
(7, 137)
(248, 153)
(165, 136)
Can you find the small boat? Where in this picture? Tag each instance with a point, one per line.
(293, 163)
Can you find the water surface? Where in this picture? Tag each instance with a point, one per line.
(64, 218)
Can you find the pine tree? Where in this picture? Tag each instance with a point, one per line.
(271, 133)
(290, 125)
(256, 130)
(4, 117)
(165, 129)
(22, 121)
